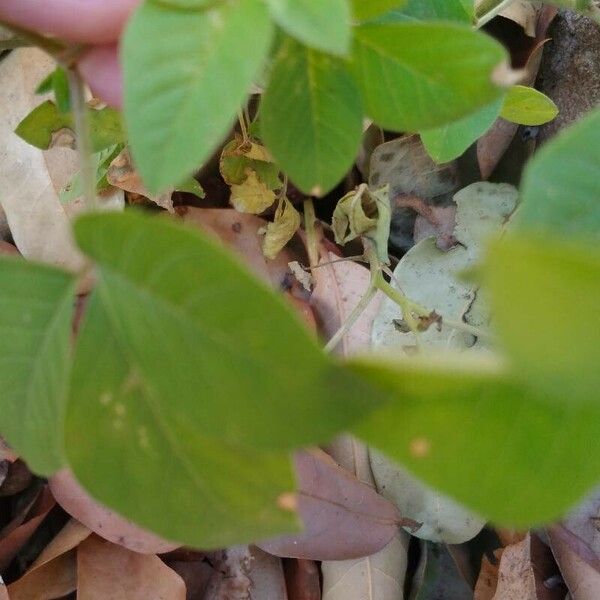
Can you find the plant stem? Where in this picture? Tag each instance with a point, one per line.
(243, 126)
(490, 9)
(352, 318)
(84, 143)
(51, 46)
(312, 245)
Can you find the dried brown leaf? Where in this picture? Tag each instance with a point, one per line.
(105, 570)
(343, 518)
(103, 521)
(54, 573)
(302, 579)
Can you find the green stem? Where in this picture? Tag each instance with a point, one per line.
(84, 143)
(31, 38)
(352, 318)
(243, 126)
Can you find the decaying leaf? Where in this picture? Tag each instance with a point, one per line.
(54, 572)
(123, 175)
(282, 229)
(103, 521)
(252, 195)
(19, 530)
(31, 180)
(105, 570)
(364, 212)
(343, 518)
(302, 579)
(246, 573)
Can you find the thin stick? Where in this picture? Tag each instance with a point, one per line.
(243, 127)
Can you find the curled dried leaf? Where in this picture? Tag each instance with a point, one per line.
(282, 229)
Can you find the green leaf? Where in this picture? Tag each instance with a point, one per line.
(191, 186)
(545, 297)
(407, 89)
(182, 94)
(526, 106)
(40, 125)
(118, 429)
(321, 25)
(450, 141)
(311, 117)
(466, 428)
(560, 184)
(218, 349)
(364, 10)
(36, 305)
(433, 10)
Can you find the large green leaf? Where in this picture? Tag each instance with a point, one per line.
(321, 25)
(149, 460)
(218, 349)
(186, 74)
(36, 305)
(364, 10)
(406, 88)
(546, 300)
(450, 141)
(311, 117)
(471, 431)
(560, 187)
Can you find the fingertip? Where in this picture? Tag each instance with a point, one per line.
(101, 69)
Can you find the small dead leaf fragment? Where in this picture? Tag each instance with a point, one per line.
(282, 229)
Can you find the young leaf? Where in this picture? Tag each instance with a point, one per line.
(229, 357)
(35, 328)
(364, 10)
(321, 25)
(311, 117)
(450, 141)
(406, 89)
(526, 106)
(181, 95)
(468, 429)
(560, 185)
(173, 479)
(544, 296)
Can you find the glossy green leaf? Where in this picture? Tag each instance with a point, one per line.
(527, 106)
(311, 117)
(36, 305)
(470, 431)
(407, 89)
(149, 460)
(560, 185)
(450, 141)
(546, 297)
(364, 10)
(324, 25)
(219, 350)
(182, 94)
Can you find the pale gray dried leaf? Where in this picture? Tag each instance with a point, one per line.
(443, 520)
(31, 180)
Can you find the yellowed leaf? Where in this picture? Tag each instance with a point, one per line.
(251, 196)
(282, 229)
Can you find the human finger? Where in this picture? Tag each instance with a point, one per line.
(81, 21)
